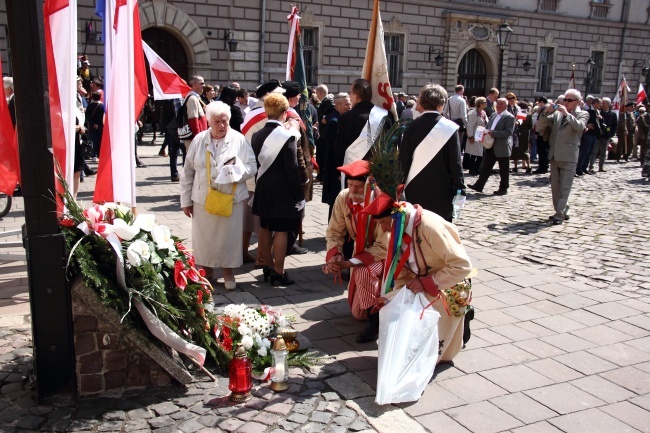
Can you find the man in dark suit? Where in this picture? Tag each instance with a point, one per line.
(331, 182)
(500, 127)
(434, 173)
(492, 96)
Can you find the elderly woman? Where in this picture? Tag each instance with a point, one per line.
(231, 161)
(474, 149)
(279, 195)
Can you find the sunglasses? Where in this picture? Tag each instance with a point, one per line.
(569, 100)
(510, 99)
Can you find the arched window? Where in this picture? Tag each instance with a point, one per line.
(471, 73)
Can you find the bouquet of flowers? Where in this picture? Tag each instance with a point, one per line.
(252, 327)
(459, 297)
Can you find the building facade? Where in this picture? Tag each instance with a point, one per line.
(442, 41)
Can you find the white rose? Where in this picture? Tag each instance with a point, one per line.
(266, 343)
(244, 330)
(145, 221)
(137, 252)
(162, 236)
(247, 342)
(123, 230)
(261, 351)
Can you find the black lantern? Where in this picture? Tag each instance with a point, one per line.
(522, 62)
(503, 39)
(439, 58)
(229, 41)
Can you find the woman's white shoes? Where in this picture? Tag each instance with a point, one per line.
(230, 285)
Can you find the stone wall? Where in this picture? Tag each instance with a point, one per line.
(111, 357)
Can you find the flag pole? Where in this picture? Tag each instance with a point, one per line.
(372, 40)
(622, 110)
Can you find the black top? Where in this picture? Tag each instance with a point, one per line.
(279, 188)
(435, 186)
(331, 182)
(95, 114)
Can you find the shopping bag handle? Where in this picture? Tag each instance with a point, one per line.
(430, 304)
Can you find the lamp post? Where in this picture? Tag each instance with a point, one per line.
(503, 39)
(590, 63)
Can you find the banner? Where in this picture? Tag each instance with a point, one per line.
(641, 96)
(375, 65)
(61, 54)
(127, 94)
(619, 101)
(167, 84)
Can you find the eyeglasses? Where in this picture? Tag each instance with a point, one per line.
(511, 99)
(569, 100)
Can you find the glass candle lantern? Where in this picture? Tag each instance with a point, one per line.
(280, 365)
(240, 375)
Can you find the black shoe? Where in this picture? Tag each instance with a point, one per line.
(467, 333)
(282, 280)
(473, 187)
(175, 179)
(474, 173)
(371, 333)
(89, 171)
(501, 192)
(266, 271)
(557, 222)
(540, 171)
(529, 170)
(602, 170)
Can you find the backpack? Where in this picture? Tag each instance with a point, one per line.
(184, 130)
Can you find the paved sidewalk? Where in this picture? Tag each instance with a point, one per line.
(561, 339)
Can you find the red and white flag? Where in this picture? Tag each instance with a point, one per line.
(620, 99)
(125, 98)
(167, 84)
(9, 167)
(572, 80)
(61, 54)
(641, 96)
(375, 65)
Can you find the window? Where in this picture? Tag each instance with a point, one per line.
(599, 8)
(493, 2)
(394, 45)
(547, 5)
(310, 54)
(545, 69)
(594, 79)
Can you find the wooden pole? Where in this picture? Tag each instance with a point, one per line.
(49, 298)
(372, 40)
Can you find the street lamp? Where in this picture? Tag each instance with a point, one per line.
(503, 39)
(590, 64)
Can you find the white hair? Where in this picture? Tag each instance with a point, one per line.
(8, 83)
(340, 96)
(575, 93)
(322, 88)
(607, 100)
(217, 108)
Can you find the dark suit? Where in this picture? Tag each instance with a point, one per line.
(280, 188)
(500, 152)
(435, 186)
(331, 182)
(12, 109)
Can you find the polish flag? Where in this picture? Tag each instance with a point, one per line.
(124, 101)
(61, 53)
(166, 82)
(9, 167)
(641, 95)
(375, 65)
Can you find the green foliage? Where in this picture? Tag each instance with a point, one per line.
(384, 161)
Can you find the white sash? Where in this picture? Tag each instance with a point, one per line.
(271, 147)
(431, 145)
(360, 147)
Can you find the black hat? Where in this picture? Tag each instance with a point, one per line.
(291, 88)
(267, 87)
(630, 104)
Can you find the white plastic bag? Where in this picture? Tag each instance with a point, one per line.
(408, 347)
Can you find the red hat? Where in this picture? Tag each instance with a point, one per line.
(380, 207)
(357, 170)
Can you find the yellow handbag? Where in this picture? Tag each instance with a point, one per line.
(217, 203)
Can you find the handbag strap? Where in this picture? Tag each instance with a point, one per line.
(208, 166)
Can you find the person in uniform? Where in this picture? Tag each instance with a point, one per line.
(625, 132)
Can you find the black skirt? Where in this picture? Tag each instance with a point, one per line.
(279, 224)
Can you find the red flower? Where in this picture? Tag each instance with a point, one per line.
(227, 344)
(179, 275)
(67, 222)
(193, 275)
(199, 296)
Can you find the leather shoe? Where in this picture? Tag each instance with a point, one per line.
(602, 170)
(501, 192)
(89, 171)
(474, 188)
(557, 222)
(175, 179)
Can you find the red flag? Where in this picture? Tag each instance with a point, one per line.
(125, 98)
(61, 54)
(9, 167)
(621, 95)
(166, 82)
(572, 80)
(641, 95)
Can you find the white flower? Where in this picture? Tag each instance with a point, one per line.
(110, 205)
(244, 330)
(137, 252)
(123, 230)
(261, 351)
(162, 236)
(266, 343)
(145, 221)
(247, 342)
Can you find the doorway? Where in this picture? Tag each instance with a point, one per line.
(472, 74)
(169, 48)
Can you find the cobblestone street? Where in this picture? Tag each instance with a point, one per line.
(560, 340)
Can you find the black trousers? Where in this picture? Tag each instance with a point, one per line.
(542, 152)
(489, 159)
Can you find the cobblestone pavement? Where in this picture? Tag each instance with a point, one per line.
(560, 342)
